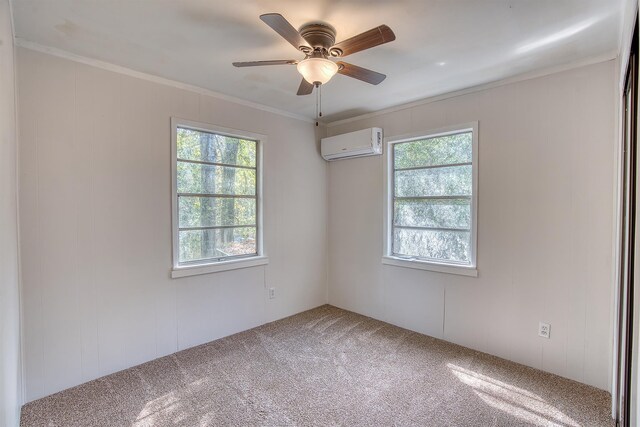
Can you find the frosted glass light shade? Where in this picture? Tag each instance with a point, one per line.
(317, 70)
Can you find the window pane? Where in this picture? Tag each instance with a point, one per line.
(447, 181)
(441, 150)
(210, 147)
(205, 244)
(454, 213)
(438, 245)
(208, 179)
(213, 211)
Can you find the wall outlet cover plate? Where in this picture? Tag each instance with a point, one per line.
(544, 330)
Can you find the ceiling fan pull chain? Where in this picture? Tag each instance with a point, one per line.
(317, 103)
(320, 102)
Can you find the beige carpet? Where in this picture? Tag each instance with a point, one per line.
(325, 367)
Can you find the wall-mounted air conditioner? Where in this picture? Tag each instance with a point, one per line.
(365, 142)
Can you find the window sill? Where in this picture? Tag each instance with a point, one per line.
(430, 266)
(194, 270)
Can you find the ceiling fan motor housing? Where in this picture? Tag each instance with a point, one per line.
(320, 36)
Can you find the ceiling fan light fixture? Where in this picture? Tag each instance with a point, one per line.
(317, 70)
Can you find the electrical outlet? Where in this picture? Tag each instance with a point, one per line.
(272, 293)
(544, 330)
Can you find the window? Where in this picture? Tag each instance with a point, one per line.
(216, 198)
(432, 198)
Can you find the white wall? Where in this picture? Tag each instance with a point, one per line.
(545, 237)
(95, 213)
(10, 384)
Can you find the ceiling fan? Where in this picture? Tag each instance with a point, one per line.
(317, 41)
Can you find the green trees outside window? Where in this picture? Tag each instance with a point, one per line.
(217, 196)
(432, 194)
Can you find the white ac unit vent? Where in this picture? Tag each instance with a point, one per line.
(365, 142)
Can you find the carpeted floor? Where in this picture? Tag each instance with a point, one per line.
(325, 367)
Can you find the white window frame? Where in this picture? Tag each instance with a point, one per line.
(443, 267)
(213, 266)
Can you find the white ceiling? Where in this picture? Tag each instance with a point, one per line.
(441, 45)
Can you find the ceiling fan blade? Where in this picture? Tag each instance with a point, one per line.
(360, 73)
(305, 88)
(272, 62)
(285, 29)
(373, 37)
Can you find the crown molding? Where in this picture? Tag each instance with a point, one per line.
(26, 44)
(608, 56)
